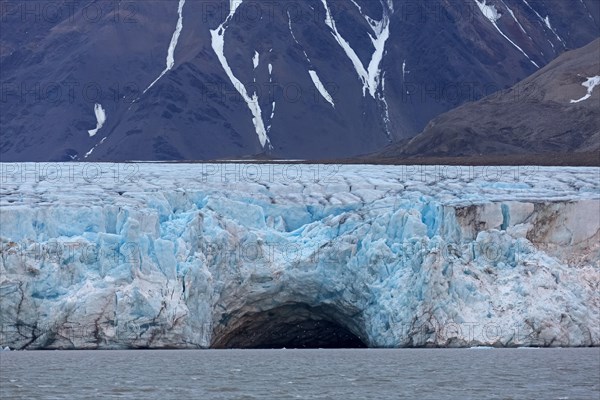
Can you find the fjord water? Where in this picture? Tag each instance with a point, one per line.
(303, 374)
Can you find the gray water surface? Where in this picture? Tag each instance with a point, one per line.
(302, 374)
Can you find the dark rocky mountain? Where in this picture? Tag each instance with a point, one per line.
(311, 79)
(556, 110)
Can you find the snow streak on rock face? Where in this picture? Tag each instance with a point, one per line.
(150, 255)
(545, 21)
(172, 45)
(321, 87)
(490, 12)
(370, 76)
(218, 45)
(100, 119)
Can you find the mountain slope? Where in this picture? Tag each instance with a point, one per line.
(314, 79)
(555, 110)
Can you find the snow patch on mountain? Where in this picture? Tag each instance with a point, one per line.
(386, 109)
(218, 45)
(586, 8)
(100, 119)
(488, 10)
(371, 76)
(172, 45)
(90, 151)
(590, 84)
(514, 17)
(273, 105)
(492, 15)
(320, 87)
(546, 22)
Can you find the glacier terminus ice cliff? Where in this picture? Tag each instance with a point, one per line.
(112, 256)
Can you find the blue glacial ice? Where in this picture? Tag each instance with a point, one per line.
(200, 255)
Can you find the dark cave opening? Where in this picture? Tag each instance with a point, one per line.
(293, 326)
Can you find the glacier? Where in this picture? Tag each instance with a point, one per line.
(112, 256)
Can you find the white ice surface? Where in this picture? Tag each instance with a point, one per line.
(159, 255)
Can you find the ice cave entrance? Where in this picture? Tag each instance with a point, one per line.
(293, 326)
